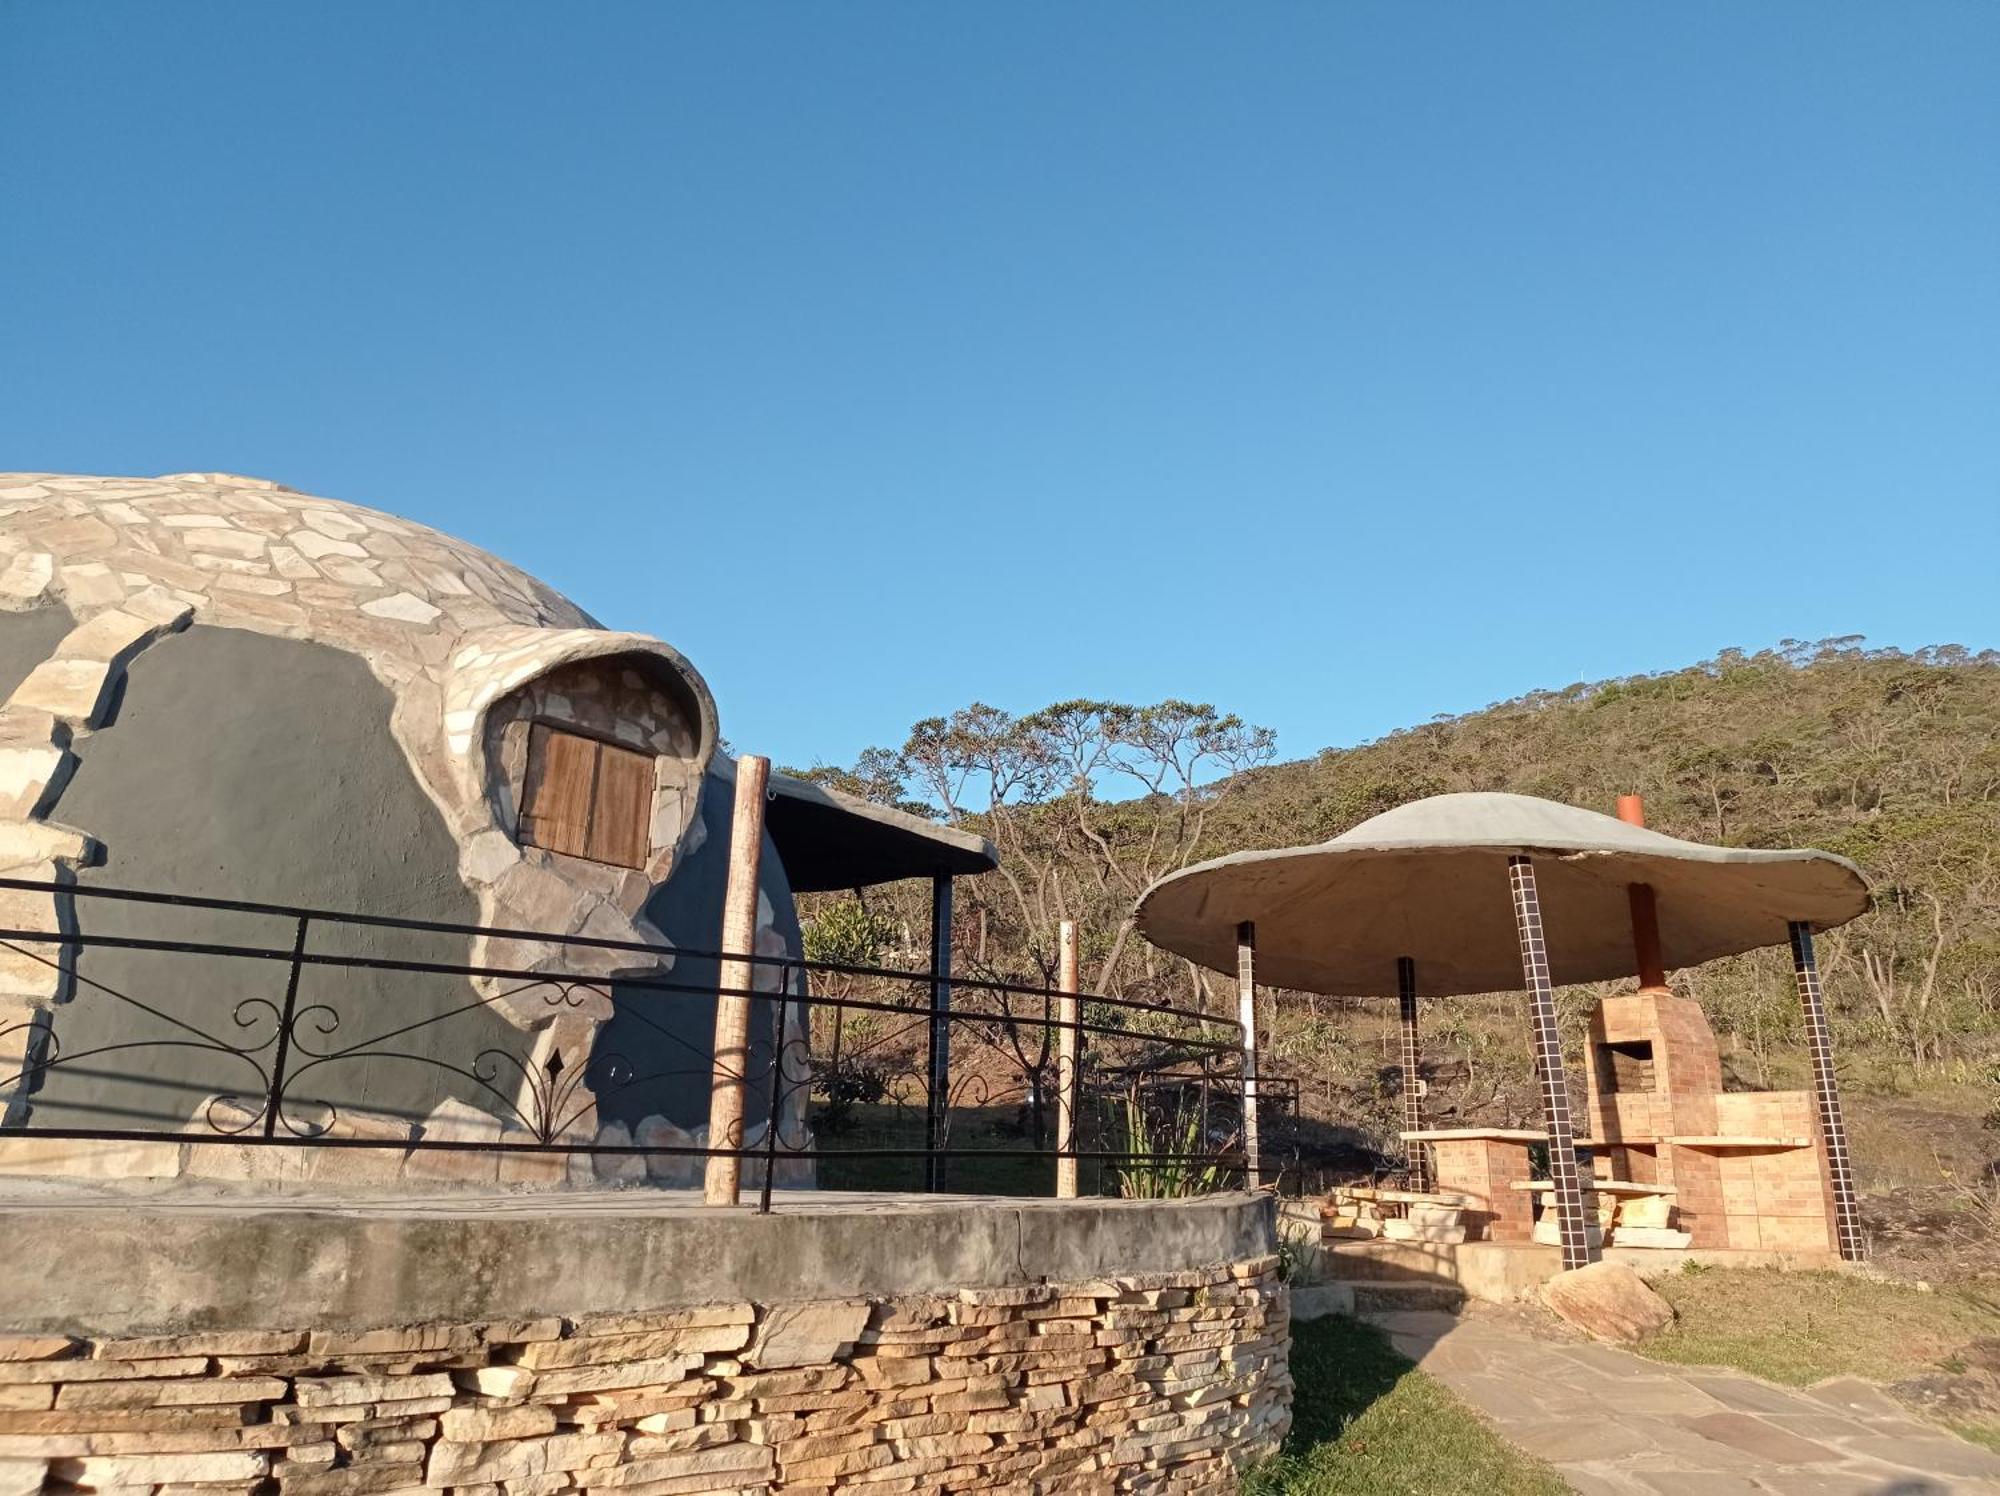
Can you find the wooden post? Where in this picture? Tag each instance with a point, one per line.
(1576, 1248)
(1645, 911)
(937, 1089)
(1246, 1017)
(1826, 1096)
(1068, 981)
(1413, 1081)
(734, 976)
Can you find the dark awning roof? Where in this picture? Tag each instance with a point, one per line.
(829, 840)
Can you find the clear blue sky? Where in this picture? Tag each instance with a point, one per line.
(1341, 364)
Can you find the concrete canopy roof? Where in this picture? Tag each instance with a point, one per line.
(1428, 880)
(829, 840)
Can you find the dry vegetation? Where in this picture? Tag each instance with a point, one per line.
(1892, 759)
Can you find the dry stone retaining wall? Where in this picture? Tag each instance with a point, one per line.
(1159, 1382)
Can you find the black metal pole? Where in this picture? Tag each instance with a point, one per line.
(938, 1071)
(1576, 1248)
(277, 1096)
(1413, 1085)
(1826, 1096)
(773, 1122)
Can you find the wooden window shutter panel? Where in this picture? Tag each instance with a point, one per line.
(562, 776)
(621, 818)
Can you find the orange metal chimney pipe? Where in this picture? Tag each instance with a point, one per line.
(1645, 912)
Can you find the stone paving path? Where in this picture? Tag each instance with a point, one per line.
(1616, 1424)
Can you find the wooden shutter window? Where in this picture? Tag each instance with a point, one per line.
(587, 799)
(562, 771)
(621, 812)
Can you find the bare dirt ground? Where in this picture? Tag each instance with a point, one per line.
(1930, 1191)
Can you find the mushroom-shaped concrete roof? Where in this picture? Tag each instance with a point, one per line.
(1428, 880)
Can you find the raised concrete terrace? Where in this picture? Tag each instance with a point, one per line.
(105, 1260)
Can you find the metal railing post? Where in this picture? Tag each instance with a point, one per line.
(276, 1097)
(777, 1098)
(937, 1070)
(1067, 980)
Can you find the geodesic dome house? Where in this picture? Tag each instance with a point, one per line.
(220, 690)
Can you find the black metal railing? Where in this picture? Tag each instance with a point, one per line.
(211, 1022)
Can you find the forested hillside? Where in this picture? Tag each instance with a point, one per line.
(1890, 758)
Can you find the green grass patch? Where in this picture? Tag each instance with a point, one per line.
(1801, 1328)
(1365, 1422)
(1986, 1434)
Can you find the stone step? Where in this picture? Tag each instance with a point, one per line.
(1391, 1298)
(1317, 1300)
(1389, 1261)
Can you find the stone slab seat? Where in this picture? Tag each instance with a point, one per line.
(1402, 1197)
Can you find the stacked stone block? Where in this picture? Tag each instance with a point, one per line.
(1162, 1382)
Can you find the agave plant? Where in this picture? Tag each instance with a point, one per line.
(1163, 1163)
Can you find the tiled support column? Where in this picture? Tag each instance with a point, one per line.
(1413, 1084)
(1246, 1015)
(1826, 1095)
(1576, 1248)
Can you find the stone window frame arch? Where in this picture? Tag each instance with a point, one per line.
(520, 890)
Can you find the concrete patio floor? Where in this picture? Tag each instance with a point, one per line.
(1616, 1424)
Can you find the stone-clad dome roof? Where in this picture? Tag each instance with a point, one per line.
(450, 630)
(215, 686)
(252, 553)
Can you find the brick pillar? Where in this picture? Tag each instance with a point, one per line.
(1576, 1248)
(1413, 1085)
(1826, 1096)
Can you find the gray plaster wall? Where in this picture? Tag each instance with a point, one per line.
(26, 639)
(665, 1040)
(117, 1268)
(237, 765)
